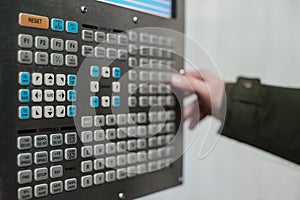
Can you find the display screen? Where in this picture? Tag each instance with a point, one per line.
(161, 8)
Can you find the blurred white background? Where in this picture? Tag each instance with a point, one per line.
(254, 38)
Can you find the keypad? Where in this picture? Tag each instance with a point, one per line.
(117, 145)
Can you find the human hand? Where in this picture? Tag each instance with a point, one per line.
(209, 89)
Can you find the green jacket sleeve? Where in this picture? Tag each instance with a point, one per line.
(264, 116)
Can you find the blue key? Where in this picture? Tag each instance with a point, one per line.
(57, 24)
(72, 80)
(71, 111)
(24, 112)
(24, 78)
(116, 72)
(72, 27)
(116, 101)
(95, 72)
(24, 96)
(94, 102)
(72, 95)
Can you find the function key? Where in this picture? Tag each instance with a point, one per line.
(94, 86)
(25, 41)
(71, 184)
(49, 95)
(95, 72)
(60, 111)
(72, 27)
(86, 181)
(116, 72)
(41, 190)
(99, 120)
(71, 154)
(41, 174)
(111, 38)
(41, 141)
(41, 42)
(24, 159)
(105, 71)
(72, 80)
(24, 96)
(56, 187)
(71, 138)
(37, 112)
(60, 79)
(48, 111)
(116, 87)
(25, 57)
(111, 53)
(56, 155)
(24, 112)
(57, 59)
(25, 193)
(72, 95)
(132, 49)
(57, 24)
(87, 51)
(122, 40)
(87, 36)
(71, 61)
(41, 58)
(24, 143)
(57, 44)
(99, 178)
(122, 54)
(56, 171)
(37, 79)
(99, 37)
(71, 111)
(24, 78)
(56, 139)
(94, 102)
(33, 21)
(132, 36)
(116, 101)
(71, 46)
(24, 176)
(99, 52)
(132, 62)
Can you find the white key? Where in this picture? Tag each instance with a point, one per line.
(49, 95)
(105, 71)
(105, 101)
(37, 79)
(49, 79)
(60, 79)
(94, 86)
(116, 87)
(60, 95)
(37, 95)
(60, 111)
(86, 136)
(48, 111)
(36, 112)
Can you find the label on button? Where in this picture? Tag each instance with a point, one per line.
(33, 21)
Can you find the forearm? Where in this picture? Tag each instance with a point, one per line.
(264, 116)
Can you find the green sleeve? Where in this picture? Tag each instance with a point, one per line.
(264, 116)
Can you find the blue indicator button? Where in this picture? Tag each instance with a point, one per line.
(95, 72)
(72, 27)
(72, 95)
(116, 72)
(24, 78)
(116, 101)
(24, 96)
(57, 24)
(71, 111)
(72, 80)
(24, 112)
(94, 102)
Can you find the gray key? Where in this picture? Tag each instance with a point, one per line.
(56, 171)
(110, 148)
(86, 151)
(141, 169)
(121, 133)
(141, 144)
(121, 160)
(132, 88)
(111, 53)
(144, 76)
(70, 154)
(152, 129)
(131, 158)
(86, 181)
(24, 176)
(132, 36)
(57, 44)
(56, 139)
(25, 193)
(57, 59)
(99, 150)
(41, 141)
(161, 140)
(24, 159)
(132, 75)
(144, 62)
(141, 156)
(131, 119)
(121, 119)
(152, 142)
(110, 120)
(56, 155)
(24, 57)
(99, 37)
(170, 101)
(132, 49)
(71, 61)
(171, 115)
(111, 134)
(141, 131)
(152, 154)
(132, 131)
(71, 138)
(86, 166)
(111, 38)
(86, 136)
(121, 174)
(110, 176)
(71, 46)
(110, 162)
(122, 54)
(41, 42)
(154, 39)
(152, 166)
(142, 118)
(41, 190)
(122, 40)
(99, 135)
(41, 174)
(132, 62)
(25, 41)
(99, 178)
(144, 37)
(86, 121)
(121, 147)
(41, 157)
(131, 171)
(87, 36)
(143, 101)
(99, 164)
(99, 52)
(152, 116)
(170, 127)
(144, 50)
(56, 187)
(131, 145)
(144, 88)
(71, 184)
(153, 100)
(24, 143)
(87, 51)
(99, 121)
(153, 89)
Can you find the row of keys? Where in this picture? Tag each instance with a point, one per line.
(145, 88)
(43, 43)
(36, 112)
(145, 101)
(105, 101)
(151, 63)
(151, 39)
(149, 76)
(100, 52)
(48, 79)
(124, 119)
(49, 95)
(42, 58)
(105, 72)
(94, 87)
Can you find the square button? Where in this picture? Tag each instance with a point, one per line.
(116, 87)
(105, 101)
(116, 72)
(71, 111)
(72, 27)
(72, 80)
(72, 95)
(116, 101)
(24, 112)
(57, 24)
(24, 78)
(60, 79)
(24, 96)
(37, 79)
(94, 102)
(95, 72)
(105, 72)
